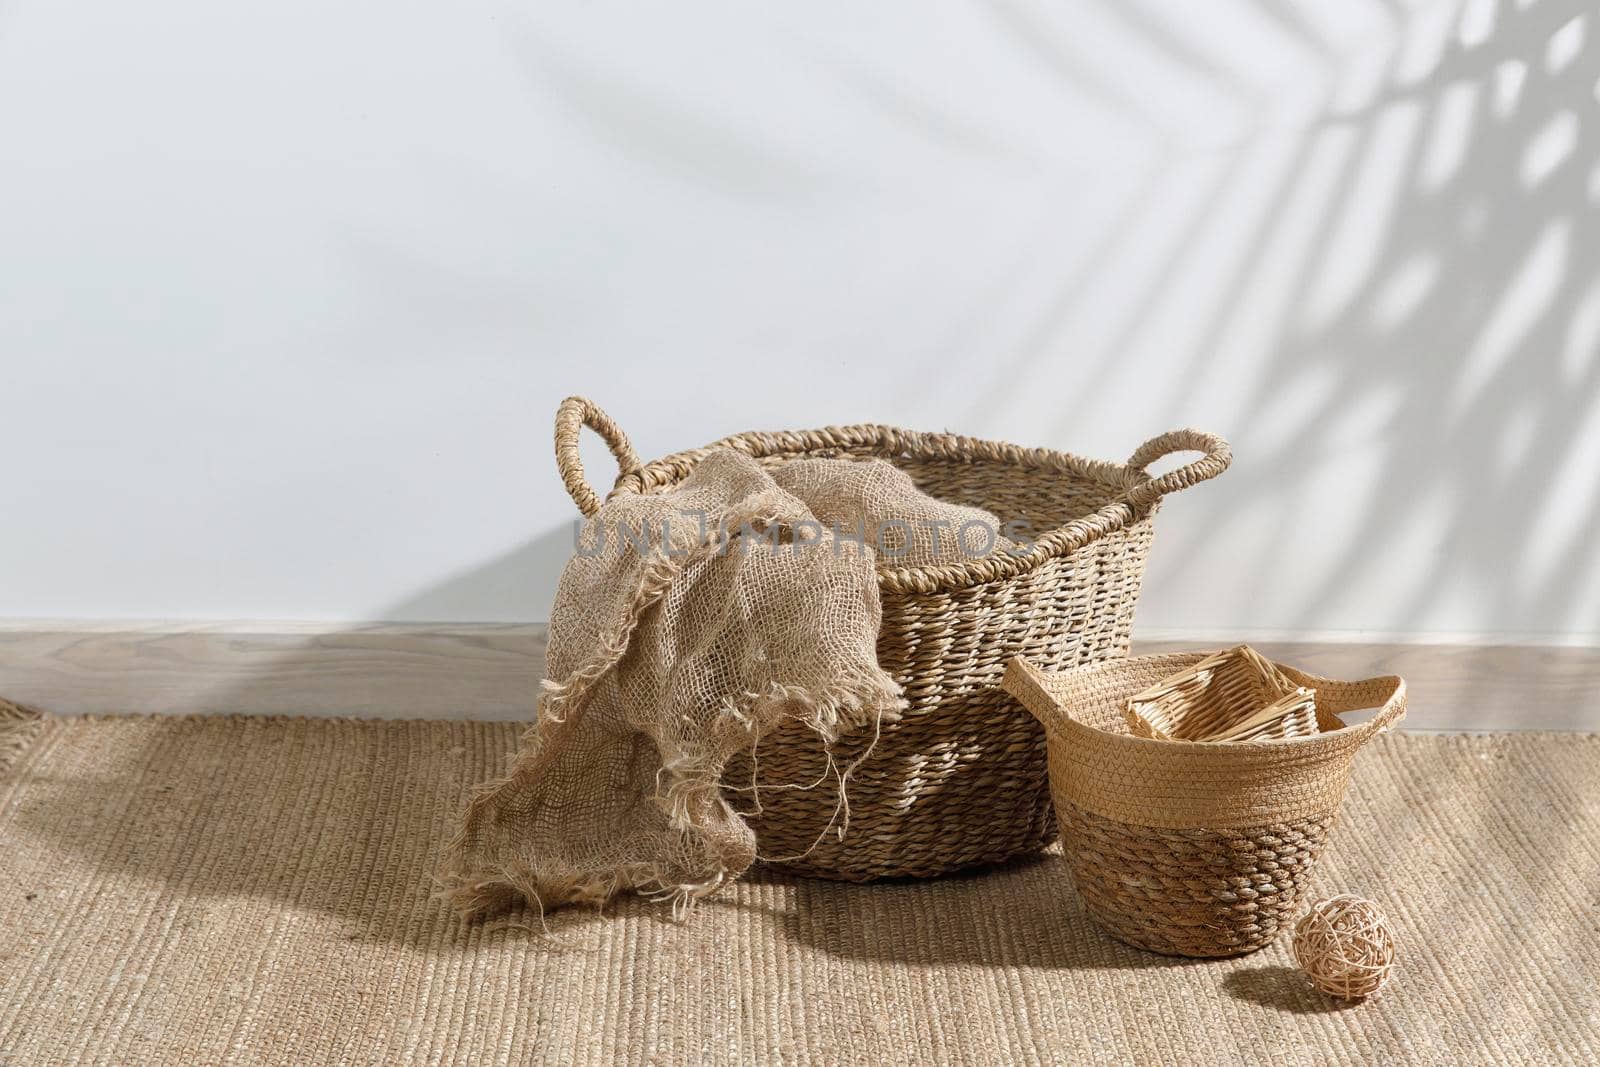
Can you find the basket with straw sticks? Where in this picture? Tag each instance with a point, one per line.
(1195, 847)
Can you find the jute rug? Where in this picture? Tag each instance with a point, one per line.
(229, 890)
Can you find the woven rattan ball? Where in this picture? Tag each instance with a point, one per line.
(1345, 946)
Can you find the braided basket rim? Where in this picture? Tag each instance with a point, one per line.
(890, 442)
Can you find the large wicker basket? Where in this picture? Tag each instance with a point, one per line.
(960, 780)
(1193, 848)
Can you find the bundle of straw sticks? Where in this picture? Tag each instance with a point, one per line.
(1234, 695)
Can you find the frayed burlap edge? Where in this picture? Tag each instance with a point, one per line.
(477, 890)
(18, 727)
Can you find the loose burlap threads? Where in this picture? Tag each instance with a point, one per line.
(742, 607)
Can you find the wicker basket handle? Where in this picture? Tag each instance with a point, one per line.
(1214, 462)
(572, 416)
(1387, 693)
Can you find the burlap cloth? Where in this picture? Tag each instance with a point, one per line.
(686, 626)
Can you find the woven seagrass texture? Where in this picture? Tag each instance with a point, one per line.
(249, 891)
(1192, 848)
(960, 779)
(1191, 892)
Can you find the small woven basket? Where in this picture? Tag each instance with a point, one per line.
(1234, 695)
(960, 780)
(1192, 848)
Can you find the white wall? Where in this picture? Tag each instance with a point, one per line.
(289, 292)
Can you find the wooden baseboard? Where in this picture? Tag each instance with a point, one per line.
(385, 671)
(492, 671)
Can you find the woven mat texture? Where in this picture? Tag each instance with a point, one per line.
(230, 890)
